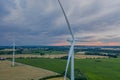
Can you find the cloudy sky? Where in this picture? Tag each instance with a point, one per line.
(41, 22)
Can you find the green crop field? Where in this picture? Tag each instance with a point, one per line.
(94, 69)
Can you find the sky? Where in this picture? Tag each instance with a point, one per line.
(41, 22)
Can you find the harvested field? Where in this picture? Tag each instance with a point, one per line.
(34, 56)
(80, 56)
(22, 72)
(77, 56)
(59, 78)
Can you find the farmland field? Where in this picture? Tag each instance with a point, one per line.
(94, 69)
(77, 56)
(22, 72)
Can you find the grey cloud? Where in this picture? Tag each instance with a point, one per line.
(42, 22)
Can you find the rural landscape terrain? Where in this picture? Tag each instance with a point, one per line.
(48, 63)
(59, 39)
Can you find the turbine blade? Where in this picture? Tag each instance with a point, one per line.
(69, 57)
(72, 42)
(67, 21)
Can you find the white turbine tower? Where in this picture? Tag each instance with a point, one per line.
(13, 55)
(71, 51)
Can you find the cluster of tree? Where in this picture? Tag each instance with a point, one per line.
(114, 55)
(59, 49)
(97, 50)
(64, 57)
(36, 50)
(78, 75)
(10, 52)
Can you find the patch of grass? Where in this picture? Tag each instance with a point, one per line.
(94, 69)
(55, 65)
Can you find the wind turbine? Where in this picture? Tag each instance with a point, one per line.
(13, 55)
(71, 50)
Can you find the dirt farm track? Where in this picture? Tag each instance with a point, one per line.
(22, 72)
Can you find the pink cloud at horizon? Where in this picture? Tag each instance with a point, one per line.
(89, 44)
